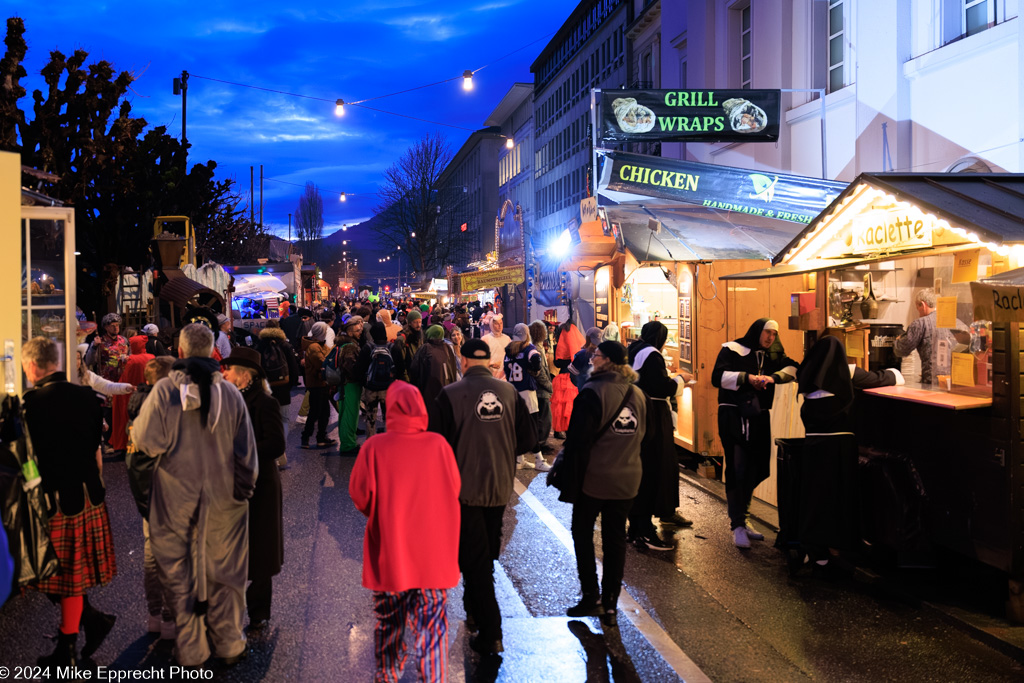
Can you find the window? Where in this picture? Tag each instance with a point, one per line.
(745, 48)
(978, 16)
(646, 71)
(836, 46)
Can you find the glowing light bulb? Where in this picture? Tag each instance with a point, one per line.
(467, 80)
(343, 197)
(509, 144)
(339, 108)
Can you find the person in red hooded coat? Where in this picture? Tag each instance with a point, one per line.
(134, 373)
(570, 341)
(409, 566)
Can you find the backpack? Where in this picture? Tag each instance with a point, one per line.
(275, 364)
(381, 372)
(330, 371)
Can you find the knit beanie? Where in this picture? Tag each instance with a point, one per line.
(613, 351)
(413, 315)
(319, 331)
(435, 332)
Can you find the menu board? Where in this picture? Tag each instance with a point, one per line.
(685, 330)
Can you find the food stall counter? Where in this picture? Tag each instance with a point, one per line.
(916, 393)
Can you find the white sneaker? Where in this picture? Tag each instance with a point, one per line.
(301, 420)
(526, 464)
(540, 463)
(739, 537)
(754, 535)
(153, 624)
(167, 630)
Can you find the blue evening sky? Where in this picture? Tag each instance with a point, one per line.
(350, 49)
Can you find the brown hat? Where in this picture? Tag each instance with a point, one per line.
(354, 320)
(247, 358)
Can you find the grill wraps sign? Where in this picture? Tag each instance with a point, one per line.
(690, 115)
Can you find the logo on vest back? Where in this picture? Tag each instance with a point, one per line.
(488, 407)
(625, 423)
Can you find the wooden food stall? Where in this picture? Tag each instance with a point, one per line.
(681, 228)
(941, 460)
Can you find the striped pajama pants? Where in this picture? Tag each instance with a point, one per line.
(426, 611)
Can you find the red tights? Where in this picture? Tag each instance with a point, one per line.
(70, 614)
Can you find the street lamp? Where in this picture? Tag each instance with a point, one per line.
(181, 87)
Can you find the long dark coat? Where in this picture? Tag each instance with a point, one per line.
(266, 530)
(660, 483)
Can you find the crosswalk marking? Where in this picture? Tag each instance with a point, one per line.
(673, 655)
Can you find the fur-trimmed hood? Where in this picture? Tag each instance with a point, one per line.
(273, 333)
(624, 370)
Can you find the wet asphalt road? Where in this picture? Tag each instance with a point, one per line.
(738, 616)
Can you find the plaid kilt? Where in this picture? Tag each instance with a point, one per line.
(85, 548)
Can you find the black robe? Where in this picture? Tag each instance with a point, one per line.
(266, 529)
(660, 482)
(829, 495)
(743, 418)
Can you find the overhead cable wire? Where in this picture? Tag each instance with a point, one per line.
(377, 97)
(256, 87)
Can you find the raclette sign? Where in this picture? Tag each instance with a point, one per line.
(888, 231)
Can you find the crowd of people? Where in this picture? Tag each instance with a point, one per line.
(450, 406)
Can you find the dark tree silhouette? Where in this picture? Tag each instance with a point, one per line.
(118, 173)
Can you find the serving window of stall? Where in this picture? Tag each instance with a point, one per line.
(48, 279)
(650, 293)
(887, 251)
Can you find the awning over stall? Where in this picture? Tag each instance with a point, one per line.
(705, 212)
(882, 215)
(247, 285)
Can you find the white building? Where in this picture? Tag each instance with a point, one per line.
(911, 85)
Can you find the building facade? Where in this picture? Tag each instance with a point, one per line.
(467, 199)
(909, 85)
(514, 117)
(588, 51)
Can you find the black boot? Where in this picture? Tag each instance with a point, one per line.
(64, 655)
(96, 625)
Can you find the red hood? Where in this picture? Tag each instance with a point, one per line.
(138, 343)
(406, 411)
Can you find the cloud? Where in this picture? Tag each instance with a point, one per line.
(436, 28)
(233, 26)
(487, 7)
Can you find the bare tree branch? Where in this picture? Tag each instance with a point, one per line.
(309, 221)
(409, 206)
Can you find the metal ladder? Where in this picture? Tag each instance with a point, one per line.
(133, 310)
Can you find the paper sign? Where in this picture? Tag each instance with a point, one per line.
(998, 303)
(1000, 263)
(963, 369)
(946, 312)
(588, 209)
(965, 265)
